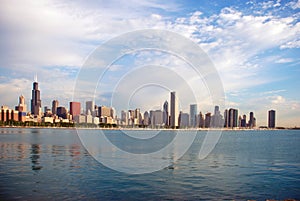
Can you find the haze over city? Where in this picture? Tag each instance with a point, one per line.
(254, 46)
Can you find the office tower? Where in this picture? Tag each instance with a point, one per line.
(75, 108)
(226, 118)
(193, 115)
(207, 120)
(232, 118)
(243, 123)
(146, 119)
(156, 118)
(124, 118)
(21, 106)
(166, 113)
(62, 112)
(36, 103)
(217, 119)
(251, 120)
(104, 111)
(54, 106)
(184, 120)
(90, 106)
(271, 119)
(201, 120)
(174, 110)
(137, 115)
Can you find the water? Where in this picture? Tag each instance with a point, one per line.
(47, 164)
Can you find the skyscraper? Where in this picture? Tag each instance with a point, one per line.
(217, 119)
(271, 119)
(22, 106)
(90, 106)
(226, 120)
(36, 103)
(251, 120)
(75, 108)
(174, 111)
(193, 115)
(184, 120)
(166, 113)
(232, 118)
(207, 122)
(54, 106)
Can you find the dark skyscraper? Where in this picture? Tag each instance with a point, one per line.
(54, 106)
(251, 120)
(36, 103)
(166, 113)
(271, 119)
(232, 118)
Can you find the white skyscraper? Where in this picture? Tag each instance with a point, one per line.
(174, 111)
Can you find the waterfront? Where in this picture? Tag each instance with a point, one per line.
(45, 164)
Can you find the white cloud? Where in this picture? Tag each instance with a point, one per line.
(284, 60)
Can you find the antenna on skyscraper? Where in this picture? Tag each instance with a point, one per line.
(35, 77)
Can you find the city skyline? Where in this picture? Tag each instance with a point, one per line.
(254, 46)
(161, 118)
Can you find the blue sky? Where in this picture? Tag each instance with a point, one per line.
(254, 46)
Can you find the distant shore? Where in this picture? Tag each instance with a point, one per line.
(180, 129)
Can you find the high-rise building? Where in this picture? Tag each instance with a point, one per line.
(217, 119)
(62, 112)
(207, 123)
(90, 106)
(36, 103)
(201, 120)
(174, 110)
(146, 119)
(156, 118)
(54, 106)
(104, 111)
(22, 106)
(193, 115)
(226, 120)
(251, 120)
(75, 108)
(271, 119)
(243, 122)
(232, 118)
(166, 113)
(184, 120)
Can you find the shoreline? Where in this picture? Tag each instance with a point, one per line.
(155, 129)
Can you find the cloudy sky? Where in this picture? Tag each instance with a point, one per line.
(253, 45)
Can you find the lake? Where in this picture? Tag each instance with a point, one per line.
(47, 164)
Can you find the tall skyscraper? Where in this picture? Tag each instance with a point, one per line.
(226, 120)
(36, 103)
(207, 122)
(232, 118)
(271, 119)
(54, 106)
(193, 115)
(174, 111)
(90, 106)
(217, 119)
(75, 108)
(166, 113)
(251, 120)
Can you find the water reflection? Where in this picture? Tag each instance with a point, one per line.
(35, 156)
